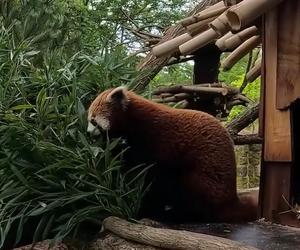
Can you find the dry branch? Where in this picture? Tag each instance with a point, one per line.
(242, 121)
(168, 238)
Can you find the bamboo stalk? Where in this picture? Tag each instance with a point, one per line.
(220, 43)
(238, 38)
(240, 52)
(199, 27)
(247, 11)
(198, 42)
(170, 46)
(220, 25)
(229, 3)
(211, 11)
(254, 72)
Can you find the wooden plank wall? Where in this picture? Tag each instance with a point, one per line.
(277, 132)
(288, 83)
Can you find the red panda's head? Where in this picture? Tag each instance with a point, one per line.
(107, 111)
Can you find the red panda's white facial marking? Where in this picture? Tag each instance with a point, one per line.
(104, 107)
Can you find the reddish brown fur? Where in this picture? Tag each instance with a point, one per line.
(194, 154)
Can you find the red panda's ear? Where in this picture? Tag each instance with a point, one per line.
(118, 96)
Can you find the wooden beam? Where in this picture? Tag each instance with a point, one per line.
(288, 82)
(277, 129)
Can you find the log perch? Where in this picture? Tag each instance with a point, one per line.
(246, 139)
(169, 238)
(241, 122)
(212, 88)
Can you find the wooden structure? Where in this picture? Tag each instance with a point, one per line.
(280, 129)
(238, 27)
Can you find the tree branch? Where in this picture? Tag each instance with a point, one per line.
(242, 121)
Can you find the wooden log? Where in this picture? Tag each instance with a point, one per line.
(220, 25)
(171, 46)
(247, 11)
(240, 37)
(246, 139)
(254, 72)
(179, 88)
(243, 120)
(220, 43)
(198, 88)
(169, 238)
(240, 52)
(209, 12)
(199, 27)
(198, 42)
(174, 98)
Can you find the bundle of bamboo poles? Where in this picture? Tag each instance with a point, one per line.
(224, 97)
(230, 24)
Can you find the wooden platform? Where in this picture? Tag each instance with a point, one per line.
(263, 235)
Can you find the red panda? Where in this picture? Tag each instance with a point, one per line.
(195, 169)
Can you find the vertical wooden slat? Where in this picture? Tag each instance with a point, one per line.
(277, 132)
(288, 83)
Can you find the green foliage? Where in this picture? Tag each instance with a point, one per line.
(175, 74)
(51, 172)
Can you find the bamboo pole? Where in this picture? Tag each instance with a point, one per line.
(220, 24)
(220, 43)
(247, 11)
(254, 72)
(211, 11)
(239, 38)
(229, 3)
(170, 46)
(198, 42)
(240, 52)
(199, 27)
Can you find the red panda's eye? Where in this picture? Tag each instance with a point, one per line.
(94, 123)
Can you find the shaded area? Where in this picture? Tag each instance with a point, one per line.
(259, 234)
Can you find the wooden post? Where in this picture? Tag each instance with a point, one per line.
(277, 160)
